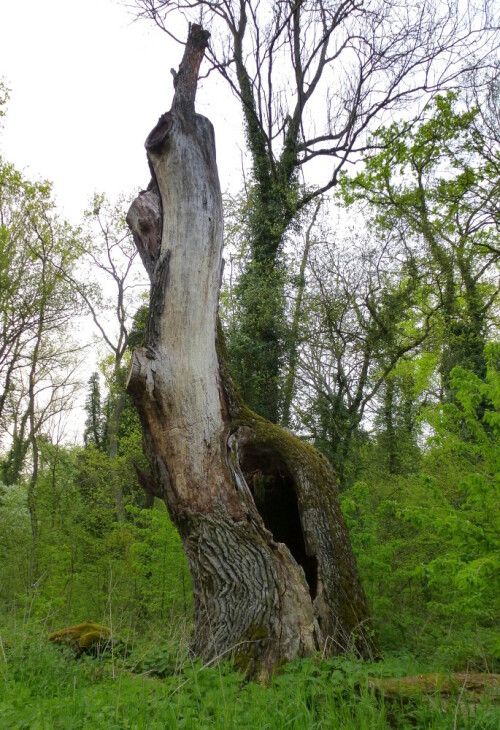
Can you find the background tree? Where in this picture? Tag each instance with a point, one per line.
(368, 60)
(433, 180)
(428, 541)
(95, 424)
(37, 355)
(111, 297)
(363, 316)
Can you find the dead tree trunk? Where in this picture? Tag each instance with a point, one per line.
(257, 509)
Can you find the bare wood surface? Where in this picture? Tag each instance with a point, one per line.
(263, 591)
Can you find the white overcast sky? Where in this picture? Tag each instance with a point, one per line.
(87, 85)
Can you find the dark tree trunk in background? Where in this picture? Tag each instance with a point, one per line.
(272, 568)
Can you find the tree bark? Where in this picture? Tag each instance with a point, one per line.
(289, 384)
(257, 509)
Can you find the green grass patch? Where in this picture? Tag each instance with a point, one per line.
(152, 685)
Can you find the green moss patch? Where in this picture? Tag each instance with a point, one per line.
(86, 636)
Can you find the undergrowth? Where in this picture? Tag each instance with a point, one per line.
(148, 684)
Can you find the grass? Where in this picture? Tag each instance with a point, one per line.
(154, 685)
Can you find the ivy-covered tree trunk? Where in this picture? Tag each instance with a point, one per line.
(257, 509)
(261, 344)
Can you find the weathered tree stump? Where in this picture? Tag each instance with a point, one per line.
(257, 509)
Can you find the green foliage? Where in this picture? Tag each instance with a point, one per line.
(38, 252)
(253, 310)
(86, 561)
(138, 330)
(428, 544)
(434, 182)
(95, 425)
(4, 97)
(256, 343)
(163, 585)
(360, 328)
(44, 686)
(15, 544)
